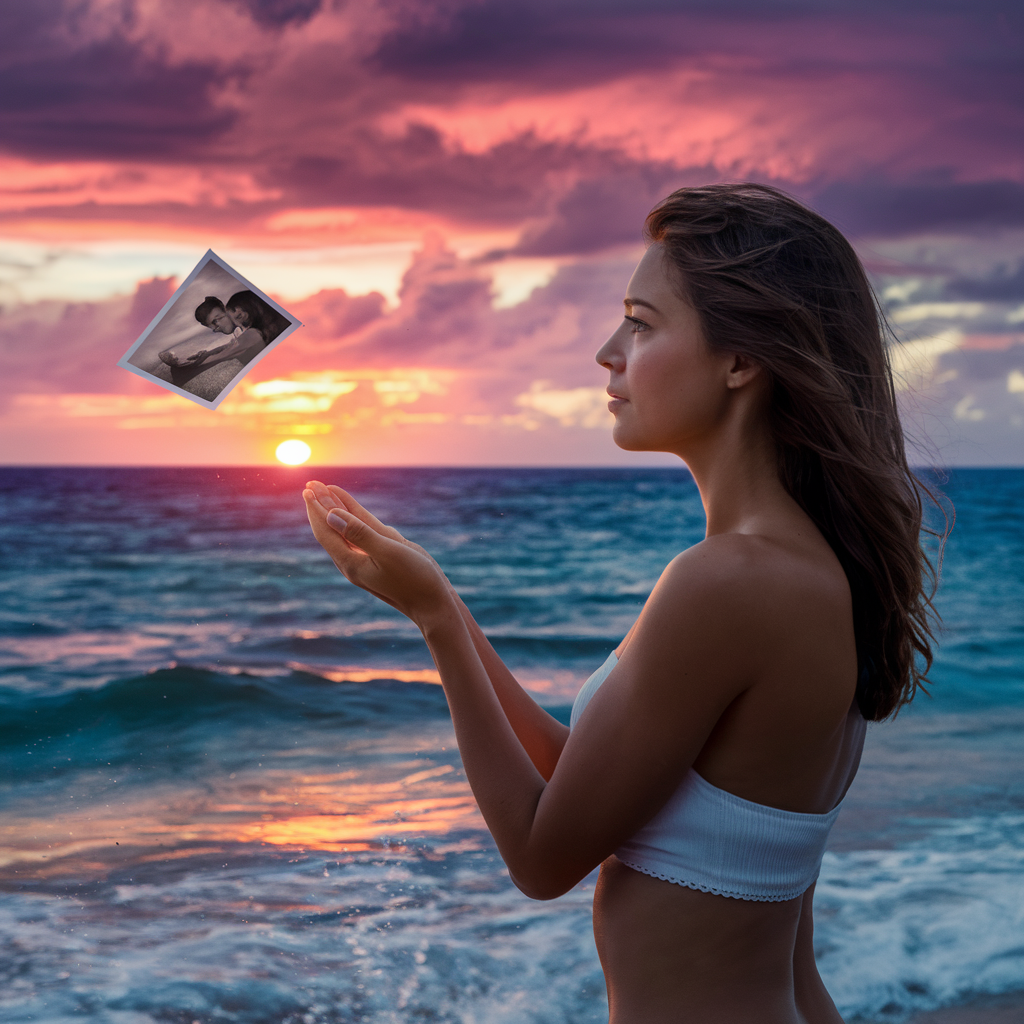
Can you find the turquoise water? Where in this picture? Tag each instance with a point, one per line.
(230, 789)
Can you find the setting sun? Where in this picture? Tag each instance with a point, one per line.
(293, 453)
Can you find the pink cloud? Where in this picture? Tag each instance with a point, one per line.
(49, 347)
(444, 377)
(473, 114)
(489, 127)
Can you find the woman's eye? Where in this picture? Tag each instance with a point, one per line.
(638, 325)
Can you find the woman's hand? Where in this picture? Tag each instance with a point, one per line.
(377, 557)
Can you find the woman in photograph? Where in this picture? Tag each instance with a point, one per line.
(248, 310)
(708, 757)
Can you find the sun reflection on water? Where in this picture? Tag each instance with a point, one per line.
(331, 812)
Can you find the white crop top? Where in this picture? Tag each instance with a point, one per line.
(710, 840)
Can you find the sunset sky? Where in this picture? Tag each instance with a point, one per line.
(450, 193)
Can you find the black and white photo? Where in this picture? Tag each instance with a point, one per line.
(210, 333)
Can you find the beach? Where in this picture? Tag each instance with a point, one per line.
(231, 792)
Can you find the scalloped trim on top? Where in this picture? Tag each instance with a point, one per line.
(710, 888)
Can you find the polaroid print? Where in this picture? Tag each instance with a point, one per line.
(212, 331)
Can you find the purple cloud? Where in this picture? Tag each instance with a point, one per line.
(901, 208)
(1005, 285)
(926, 98)
(106, 96)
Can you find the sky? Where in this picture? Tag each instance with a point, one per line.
(450, 194)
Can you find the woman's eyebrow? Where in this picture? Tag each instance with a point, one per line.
(639, 302)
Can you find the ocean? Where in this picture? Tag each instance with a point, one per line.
(230, 790)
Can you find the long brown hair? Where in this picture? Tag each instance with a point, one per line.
(774, 281)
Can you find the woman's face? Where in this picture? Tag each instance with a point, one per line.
(668, 388)
(240, 316)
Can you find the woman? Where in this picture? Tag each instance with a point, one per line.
(249, 311)
(708, 756)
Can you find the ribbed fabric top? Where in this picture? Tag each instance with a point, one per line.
(708, 839)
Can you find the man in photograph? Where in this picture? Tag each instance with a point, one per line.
(242, 342)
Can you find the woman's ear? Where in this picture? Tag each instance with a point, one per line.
(741, 371)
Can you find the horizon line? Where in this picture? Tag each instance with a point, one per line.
(444, 466)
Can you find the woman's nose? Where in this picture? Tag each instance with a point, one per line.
(608, 355)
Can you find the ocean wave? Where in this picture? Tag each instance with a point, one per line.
(926, 925)
(436, 931)
(179, 708)
(552, 649)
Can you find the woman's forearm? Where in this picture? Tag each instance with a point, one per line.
(504, 780)
(541, 735)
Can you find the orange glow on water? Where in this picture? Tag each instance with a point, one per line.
(334, 812)
(402, 819)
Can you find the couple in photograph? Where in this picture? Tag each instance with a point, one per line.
(248, 322)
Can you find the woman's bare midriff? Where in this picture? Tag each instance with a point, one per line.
(672, 954)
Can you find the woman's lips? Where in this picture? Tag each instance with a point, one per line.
(616, 400)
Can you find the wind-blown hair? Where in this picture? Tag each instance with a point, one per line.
(776, 282)
(263, 317)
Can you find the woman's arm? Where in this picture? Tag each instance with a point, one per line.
(541, 735)
(635, 741)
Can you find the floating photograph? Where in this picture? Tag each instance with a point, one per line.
(208, 336)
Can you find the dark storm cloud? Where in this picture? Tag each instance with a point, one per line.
(579, 41)
(108, 98)
(609, 210)
(279, 13)
(601, 212)
(297, 93)
(955, 56)
(502, 41)
(506, 182)
(893, 209)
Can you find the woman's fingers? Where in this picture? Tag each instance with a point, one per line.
(347, 501)
(346, 558)
(333, 496)
(355, 531)
(389, 567)
(326, 500)
(323, 495)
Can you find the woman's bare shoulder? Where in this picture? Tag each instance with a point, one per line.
(757, 571)
(734, 595)
(706, 607)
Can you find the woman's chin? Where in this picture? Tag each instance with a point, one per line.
(627, 442)
(630, 441)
